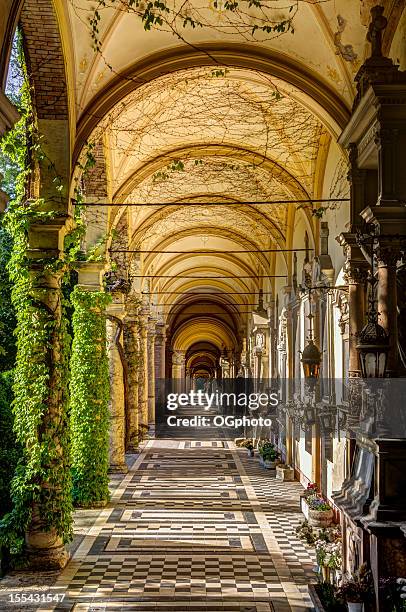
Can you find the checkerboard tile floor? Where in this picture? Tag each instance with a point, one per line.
(193, 526)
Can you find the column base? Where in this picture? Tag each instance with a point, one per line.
(46, 559)
(133, 449)
(96, 504)
(118, 468)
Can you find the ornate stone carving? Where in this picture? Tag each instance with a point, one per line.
(355, 274)
(178, 358)
(375, 30)
(115, 283)
(388, 254)
(346, 51)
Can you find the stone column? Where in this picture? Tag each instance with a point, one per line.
(160, 364)
(356, 274)
(115, 315)
(89, 388)
(388, 254)
(45, 547)
(178, 367)
(151, 377)
(50, 471)
(143, 376)
(160, 351)
(132, 352)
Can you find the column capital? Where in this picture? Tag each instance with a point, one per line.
(388, 252)
(45, 239)
(178, 357)
(90, 274)
(388, 216)
(356, 266)
(117, 308)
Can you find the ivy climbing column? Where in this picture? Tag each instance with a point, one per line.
(132, 353)
(114, 323)
(90, 390)
(42, 484)
(143, 374)
(47, 531)
(151, 377)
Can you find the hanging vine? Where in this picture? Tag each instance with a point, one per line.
(90, 392)
(41, 487)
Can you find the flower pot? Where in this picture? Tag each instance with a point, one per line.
(320, 518)
(284, 473)
(355, 606)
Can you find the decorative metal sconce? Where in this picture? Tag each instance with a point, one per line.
(311, 355)
(373, 341)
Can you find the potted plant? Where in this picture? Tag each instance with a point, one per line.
(328, 556)
(268, 455)
(356, 590)
(306, 533)
(248, 444)
(284, 472)
(319, 513)
(311, 489)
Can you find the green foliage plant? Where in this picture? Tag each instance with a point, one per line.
(89, 389)
(41, 487)
(9, 448)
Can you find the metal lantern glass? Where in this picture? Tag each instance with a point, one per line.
(311, 359)
(373, 347)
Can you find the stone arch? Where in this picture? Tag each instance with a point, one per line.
(330, 108)
(44, 52)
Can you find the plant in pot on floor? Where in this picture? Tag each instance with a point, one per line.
(319, 512)
(329, 561)
(248, 444)
(268, 455)
(357, 590)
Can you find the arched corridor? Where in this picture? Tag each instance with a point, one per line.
(202, 322)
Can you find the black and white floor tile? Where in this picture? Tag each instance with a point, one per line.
(193, 526)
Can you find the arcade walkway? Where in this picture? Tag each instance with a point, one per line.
(193, 526)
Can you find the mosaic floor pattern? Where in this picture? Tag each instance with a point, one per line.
(193, 526)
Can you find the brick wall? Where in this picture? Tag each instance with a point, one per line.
(45, 59)
(95, 182)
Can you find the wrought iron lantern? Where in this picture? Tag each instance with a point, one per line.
(373, 341)
(373, 347)
(311, 359)
(311, 355)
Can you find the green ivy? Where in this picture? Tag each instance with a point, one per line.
(90, 391)
(42, 478)
(10, 450)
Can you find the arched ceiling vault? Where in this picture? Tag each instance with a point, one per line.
(216, 162)
(207, 329)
